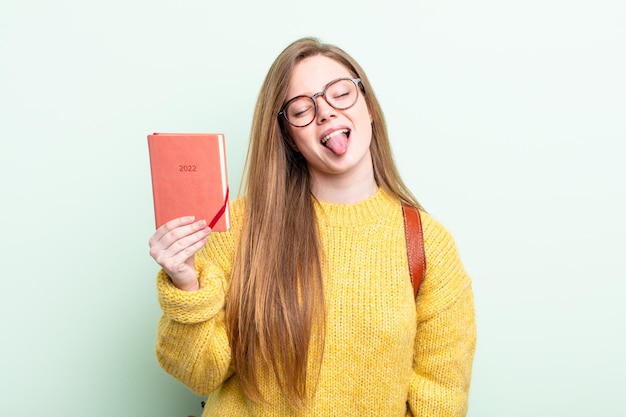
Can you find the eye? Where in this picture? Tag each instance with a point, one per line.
(339, 95)
(341, 92)
(299, 108)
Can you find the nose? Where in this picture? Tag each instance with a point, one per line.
(324, 110)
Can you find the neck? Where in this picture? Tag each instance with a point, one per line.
(346, 189)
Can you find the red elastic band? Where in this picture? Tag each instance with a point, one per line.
(221, 211)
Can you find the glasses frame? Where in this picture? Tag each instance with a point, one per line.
(314, 97)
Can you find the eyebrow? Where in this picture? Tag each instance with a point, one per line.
(319, 91)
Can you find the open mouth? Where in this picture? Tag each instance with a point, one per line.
(331, 135)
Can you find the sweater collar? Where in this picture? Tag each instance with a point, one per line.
(367, 211)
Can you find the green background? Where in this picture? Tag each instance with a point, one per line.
(506, 118)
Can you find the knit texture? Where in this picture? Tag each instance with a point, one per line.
(385, 354)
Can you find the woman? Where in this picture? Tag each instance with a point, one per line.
(305, 307)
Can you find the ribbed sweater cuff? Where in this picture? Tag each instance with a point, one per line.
(192, 306)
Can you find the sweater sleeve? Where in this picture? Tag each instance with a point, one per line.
(446, 330)
(192, 343)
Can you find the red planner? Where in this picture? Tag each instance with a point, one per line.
(189, 177)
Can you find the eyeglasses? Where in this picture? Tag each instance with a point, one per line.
(341, 94)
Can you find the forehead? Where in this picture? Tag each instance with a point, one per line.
(311, 75)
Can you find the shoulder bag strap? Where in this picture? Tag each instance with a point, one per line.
(414, 245)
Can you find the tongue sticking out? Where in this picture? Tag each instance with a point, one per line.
(338, 143)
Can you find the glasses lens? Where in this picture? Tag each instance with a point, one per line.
(300, 111)
(341, 94)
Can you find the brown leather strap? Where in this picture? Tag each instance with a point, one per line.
(414, 245)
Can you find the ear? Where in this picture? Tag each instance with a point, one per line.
(289, 140)
(293, 146)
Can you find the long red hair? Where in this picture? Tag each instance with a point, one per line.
(276, 295)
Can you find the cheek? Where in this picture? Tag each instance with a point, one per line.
(366, 129)
(365, 118)
(364, 111)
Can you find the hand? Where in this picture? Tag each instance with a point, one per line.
(174, 245)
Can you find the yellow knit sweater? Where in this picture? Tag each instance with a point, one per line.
(385, 354)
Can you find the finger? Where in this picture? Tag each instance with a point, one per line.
(198, 237)
(177, 241)
(178, 231)
(169, 226)
(177, 255)
(182, 233)
(185, 254)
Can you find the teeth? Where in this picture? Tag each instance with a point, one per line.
(332, 134)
